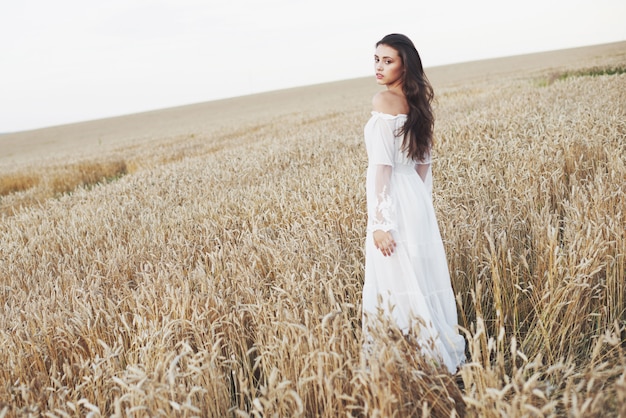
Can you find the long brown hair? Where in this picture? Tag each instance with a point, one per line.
(420, 122)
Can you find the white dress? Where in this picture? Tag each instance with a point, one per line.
(414, 281)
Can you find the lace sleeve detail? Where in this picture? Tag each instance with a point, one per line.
(381, 157)
(384, 215)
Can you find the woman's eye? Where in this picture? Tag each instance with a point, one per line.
(387, 62)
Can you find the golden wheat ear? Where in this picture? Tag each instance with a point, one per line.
(222, 273)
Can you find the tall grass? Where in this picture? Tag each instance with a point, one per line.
(226, 281)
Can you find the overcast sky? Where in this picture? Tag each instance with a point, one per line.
(66, 61)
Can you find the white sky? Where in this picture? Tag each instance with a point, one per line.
(66, 61)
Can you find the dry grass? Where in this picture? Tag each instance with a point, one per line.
(220, 273)
(24, 188)
(16, 182)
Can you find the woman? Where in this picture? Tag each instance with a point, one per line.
(406, 271)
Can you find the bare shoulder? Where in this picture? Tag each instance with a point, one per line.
(389, 102)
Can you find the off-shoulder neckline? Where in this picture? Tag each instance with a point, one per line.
(388, 115)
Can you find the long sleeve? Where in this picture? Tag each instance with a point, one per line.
(384, 218)
(381, 155)
(424, 170)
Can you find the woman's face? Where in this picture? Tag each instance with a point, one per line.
(388, 66)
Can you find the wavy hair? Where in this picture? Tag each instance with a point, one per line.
(420, 123)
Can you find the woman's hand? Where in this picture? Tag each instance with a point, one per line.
(384, 242)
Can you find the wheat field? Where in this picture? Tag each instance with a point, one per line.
(211, 264)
